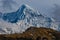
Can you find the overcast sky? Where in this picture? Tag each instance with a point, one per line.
(43, 6)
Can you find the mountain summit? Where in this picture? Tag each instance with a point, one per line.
(19, 14)
(25, 17)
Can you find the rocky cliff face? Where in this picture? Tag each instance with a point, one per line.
(33, 33)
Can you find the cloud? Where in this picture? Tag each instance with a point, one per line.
(4, 25)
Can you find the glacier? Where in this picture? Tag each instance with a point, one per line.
(23, 18)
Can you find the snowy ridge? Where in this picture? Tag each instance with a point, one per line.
(23, 18)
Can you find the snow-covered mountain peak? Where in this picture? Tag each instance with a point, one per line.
(23, 18)
(27, 6)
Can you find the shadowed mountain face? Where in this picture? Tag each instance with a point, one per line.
(14, 16)
(33, 33)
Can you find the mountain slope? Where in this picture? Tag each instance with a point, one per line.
(33, 33)
(25, 17)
